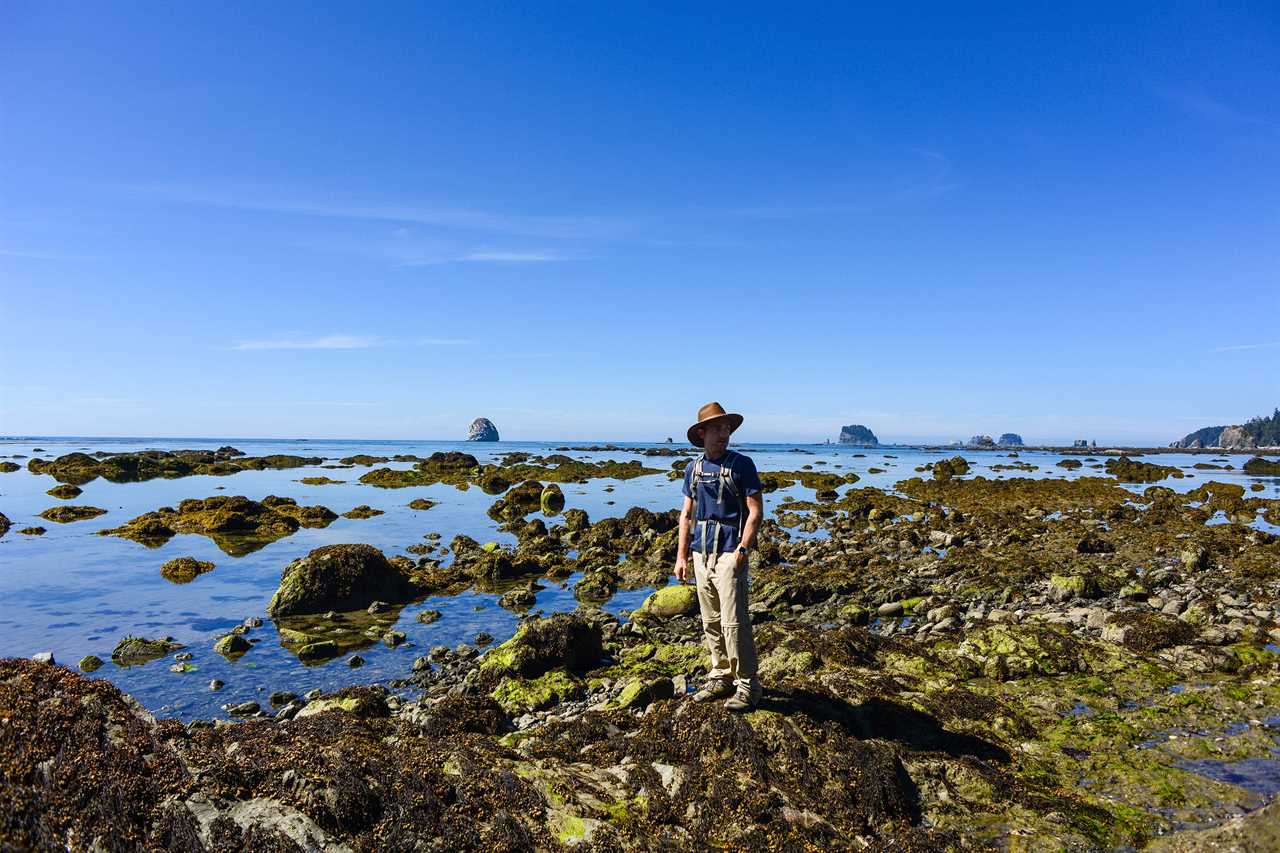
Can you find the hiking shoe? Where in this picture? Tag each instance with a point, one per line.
(715, 688)
(746, 698)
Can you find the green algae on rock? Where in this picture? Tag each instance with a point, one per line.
(1126, 470)
(33, 531)
(232, 646)
(9, 467)
(5, 524)
(421, 504)
(184, 569)
(80, 468)
(463, 469)
(673, 600)
(134, 651)
(1259, 467)
(65, 491)
(540, 645)
(320, 481)
(67, 513)
(236, 524)
(90, 663)
(340, 577)
(552, 500)
(362, 511)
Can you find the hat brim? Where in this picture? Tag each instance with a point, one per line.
(734, 418)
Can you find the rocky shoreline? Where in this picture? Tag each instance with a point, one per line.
(959, 663)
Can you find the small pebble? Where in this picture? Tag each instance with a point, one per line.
(355, 661)
(216, 684)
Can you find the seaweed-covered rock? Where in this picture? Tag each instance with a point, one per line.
(5, 524)
(517, 503)
(184, 569)
(945, 469)
(540, 645)
(552, 500)
(421, 504)
(1092, 543)
(674, 600)
(232, 646)
(1008, 651)
(80, 468)
(236, 524)
(517, 695)
(65, 491)
(1127, 470)
(67, 513)
(1069, 464)
(1259, 467)
(1147, 631)
(362, 511)
(132, 651)
(9, 467)
(339, 577)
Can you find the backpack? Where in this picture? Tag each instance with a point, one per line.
(728, 481)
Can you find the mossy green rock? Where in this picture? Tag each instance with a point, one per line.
(68, 513)
(9, 467)
(641, 693)
(1259, 467)
(132, 651)
(90, 663)
(552, 500)
(521, 695)
(235, 523)
(540, 645)
(1009, 651)
(339, 577)
(232, 646)
(66, 491)
(184, 569)
(674, 600)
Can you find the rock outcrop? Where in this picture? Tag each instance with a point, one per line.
(482, 429)
(341, 578)
(858, 435)
(1235, 438)
(1010, 439)
(981, 441)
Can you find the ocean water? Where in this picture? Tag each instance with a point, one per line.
(75, 593)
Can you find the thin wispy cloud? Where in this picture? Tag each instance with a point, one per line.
(1198, 103)
(442, 216)
(325, 342)
(1237, 347)
(531, 257)
(344, 342)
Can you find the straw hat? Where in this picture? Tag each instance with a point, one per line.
(709, 414)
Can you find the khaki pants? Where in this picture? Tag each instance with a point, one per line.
(726, 627)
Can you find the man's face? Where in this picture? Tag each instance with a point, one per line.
(716, 437)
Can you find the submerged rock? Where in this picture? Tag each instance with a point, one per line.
(482, 429)
(340, 577)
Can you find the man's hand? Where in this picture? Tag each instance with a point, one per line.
(682, 569)
(742, 560)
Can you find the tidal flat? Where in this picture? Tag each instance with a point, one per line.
(961, 649)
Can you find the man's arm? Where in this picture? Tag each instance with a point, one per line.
(682, 552)
(754, 515)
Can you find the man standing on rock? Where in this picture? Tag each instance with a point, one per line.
(723, 500)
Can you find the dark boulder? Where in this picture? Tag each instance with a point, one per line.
(339, 577)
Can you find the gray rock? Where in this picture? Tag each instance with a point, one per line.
(232, 646)
(482, 429)
(216, 684)
(890, 608)
(244, 709)
(355, 661)
(43, 657)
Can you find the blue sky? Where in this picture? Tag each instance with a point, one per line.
(585, 220)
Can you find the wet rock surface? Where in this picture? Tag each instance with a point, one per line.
(81, 468)
(236, 524)
(962, 663)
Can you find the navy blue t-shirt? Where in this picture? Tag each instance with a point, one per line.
(706, 503)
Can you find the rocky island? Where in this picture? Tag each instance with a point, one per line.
(1257, 432)
(858, 435)
(482, 429)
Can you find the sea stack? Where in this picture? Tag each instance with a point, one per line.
(1010, 439)
(482, 429)
(859, 435)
